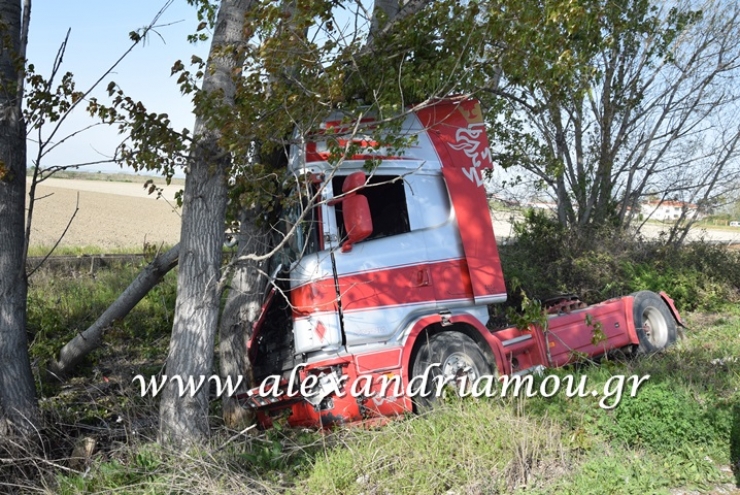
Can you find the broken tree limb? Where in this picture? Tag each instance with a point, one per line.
(89, 340)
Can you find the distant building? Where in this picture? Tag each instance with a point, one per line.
(666, 211)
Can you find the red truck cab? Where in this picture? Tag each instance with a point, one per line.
(390, 278)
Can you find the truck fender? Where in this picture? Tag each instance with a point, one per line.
(672, 307)
(481, 332)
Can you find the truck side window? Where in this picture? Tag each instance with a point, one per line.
(387, 199)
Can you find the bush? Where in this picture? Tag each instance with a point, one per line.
(665, 419)
(546, 259)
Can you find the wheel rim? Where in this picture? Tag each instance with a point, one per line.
(460, 371)
(655, 327)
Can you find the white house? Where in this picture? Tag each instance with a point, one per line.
(666, 211)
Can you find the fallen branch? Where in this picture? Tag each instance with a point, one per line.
(85, 342)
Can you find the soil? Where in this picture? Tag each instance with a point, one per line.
(122, 215)
(110, 215)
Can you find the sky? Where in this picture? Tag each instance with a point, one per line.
(99, 36)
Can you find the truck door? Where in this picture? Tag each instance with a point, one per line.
(383, 279)
(316, 324)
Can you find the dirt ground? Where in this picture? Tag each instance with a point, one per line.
(111, 215)
(121, 215)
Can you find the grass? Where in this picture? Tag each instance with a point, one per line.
(62, 304)
(681, 431)
(465, 447)
(676, 433)
(41, 251)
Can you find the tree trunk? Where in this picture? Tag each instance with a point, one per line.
(395, 15)
(241, 312)
(248, 283)
(389, 10)
(184, 419)
(18, 405)
(89, 340)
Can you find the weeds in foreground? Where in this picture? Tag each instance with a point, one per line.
(42, 251)
(676, 432)
(681, 430)
(61, 306)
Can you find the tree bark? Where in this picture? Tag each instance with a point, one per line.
(384, 11)
(18, 405)
(89, 340)
(240, 313)
(184, 419)
(248, 283)
(411, 7)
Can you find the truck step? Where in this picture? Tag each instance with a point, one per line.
(534, 370)
(516, 340)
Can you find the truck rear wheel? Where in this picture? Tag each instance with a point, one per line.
(656, 328)
(458, 360)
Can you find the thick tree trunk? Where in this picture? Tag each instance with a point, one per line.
(18, 406)
(240, 313)
(395, 15)
(89, 340)
(384, 11)
(184, 419)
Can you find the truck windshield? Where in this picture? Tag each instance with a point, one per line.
(304, 239)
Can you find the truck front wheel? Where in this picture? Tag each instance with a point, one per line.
(447, 360)
(656, 328)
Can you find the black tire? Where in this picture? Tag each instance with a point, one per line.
(461, 360)
(655, 325)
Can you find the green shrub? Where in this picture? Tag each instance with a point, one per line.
(546, 259)
(622, 471)
(666, 419)
(734, 441)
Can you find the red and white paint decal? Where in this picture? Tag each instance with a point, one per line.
(386, 287)
(447, 260)
(458, 133)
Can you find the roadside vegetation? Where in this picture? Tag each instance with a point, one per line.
(87, 251)
(681, 430)
(548, 260)
(65, 299)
